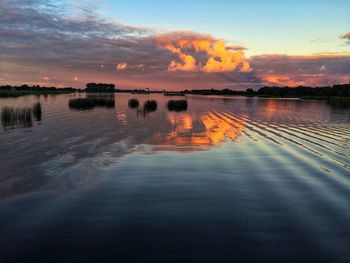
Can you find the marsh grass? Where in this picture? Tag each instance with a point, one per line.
(90, 103)
(36, 108)
(339, 102)
(177, 105)
(16, 117)
(20, 116)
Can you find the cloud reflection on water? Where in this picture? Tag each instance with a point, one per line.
(71, 142)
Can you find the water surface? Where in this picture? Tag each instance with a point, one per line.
(101, 179)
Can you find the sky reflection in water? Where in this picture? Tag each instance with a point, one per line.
(263, 177)
(100, 129)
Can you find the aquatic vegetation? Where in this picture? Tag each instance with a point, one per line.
(315, 97)
(177, 105)
(11, 116)
(36, 108)
(334, 101)
(90, 103)
(169, 93)
(339, 101)
(149, 106)
(133, 103)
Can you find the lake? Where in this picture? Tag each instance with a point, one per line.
(101, 178)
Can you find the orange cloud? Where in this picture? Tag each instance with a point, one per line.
(185, 130)
(345, 36)
(121, 66)
(281, 80)
(188, 63)
(220, 58)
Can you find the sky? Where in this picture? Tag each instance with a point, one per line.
(175, 45)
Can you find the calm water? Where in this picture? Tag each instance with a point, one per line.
(227, 179)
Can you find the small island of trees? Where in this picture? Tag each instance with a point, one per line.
(100, 87)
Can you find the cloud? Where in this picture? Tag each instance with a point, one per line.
(202, 53)
(53, 38)
(346, 36)
(320, 40)
(281, 80)
(323, 68)
(140, 66)
(122, 66)
(35, 38)
(315, 70)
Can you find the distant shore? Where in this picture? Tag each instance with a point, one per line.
(8, 91)
(333, 94)
(18, 93)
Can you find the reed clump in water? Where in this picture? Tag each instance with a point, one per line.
(177, 105)
(90, 103)
(36, 108)
(133, 103)
(149, 106)
(20, 116)
(11, 116)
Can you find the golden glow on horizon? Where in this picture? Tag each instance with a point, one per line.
(284, 80)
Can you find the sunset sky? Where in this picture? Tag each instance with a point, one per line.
(175, 44)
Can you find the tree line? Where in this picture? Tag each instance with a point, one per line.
(342, 90)
(26, 87)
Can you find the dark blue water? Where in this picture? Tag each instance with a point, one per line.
(227, 179)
